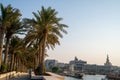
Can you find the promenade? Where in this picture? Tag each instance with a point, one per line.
(23, 77)
(14, 76)
(51, 77)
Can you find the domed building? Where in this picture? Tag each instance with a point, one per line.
(78, 64)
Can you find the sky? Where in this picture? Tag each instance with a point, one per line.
(94, 28)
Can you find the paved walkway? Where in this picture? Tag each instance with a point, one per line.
(59, 77)
(52, 77)
(23, 77)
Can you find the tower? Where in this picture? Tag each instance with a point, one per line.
(76, 59)
(108, 63)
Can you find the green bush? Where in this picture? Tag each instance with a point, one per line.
(38, 71)
(3, 68)
(55, 69)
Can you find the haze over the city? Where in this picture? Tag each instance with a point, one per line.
(94, 28)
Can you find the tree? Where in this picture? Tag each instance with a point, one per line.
(44, 25)
(15, 28)
(8, 15)
(15, 49)
(17, 53)
(20, 55)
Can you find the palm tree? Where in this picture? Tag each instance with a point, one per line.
(20, 55)
(15, 28)
(46, 24)
(17, 53)
(14, 49)
(8, 15)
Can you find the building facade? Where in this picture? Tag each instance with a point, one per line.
(99, 69)
(78, 64)
(82, 66)
(49, 63)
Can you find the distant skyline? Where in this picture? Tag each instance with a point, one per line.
(94, 28)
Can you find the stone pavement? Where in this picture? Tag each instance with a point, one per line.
(25, 76)
(52, 77)
(22, 77)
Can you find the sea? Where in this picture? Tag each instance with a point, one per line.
(87, 77)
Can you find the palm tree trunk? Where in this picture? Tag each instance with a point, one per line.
(6, 50)
(43, 54)
(12, 63)
(36, 61)
(17, 66)
(2, 32)
(39, 54)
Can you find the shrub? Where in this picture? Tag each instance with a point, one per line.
(55, 69)
(3, 68)
(38, 70)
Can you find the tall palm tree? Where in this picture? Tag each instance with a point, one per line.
(14, 48)
(17, 50)
(15, 28)
(9, 32)
(46, 24)
(8, 15)
(20, 55)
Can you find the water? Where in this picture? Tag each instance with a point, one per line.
(87, 77)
